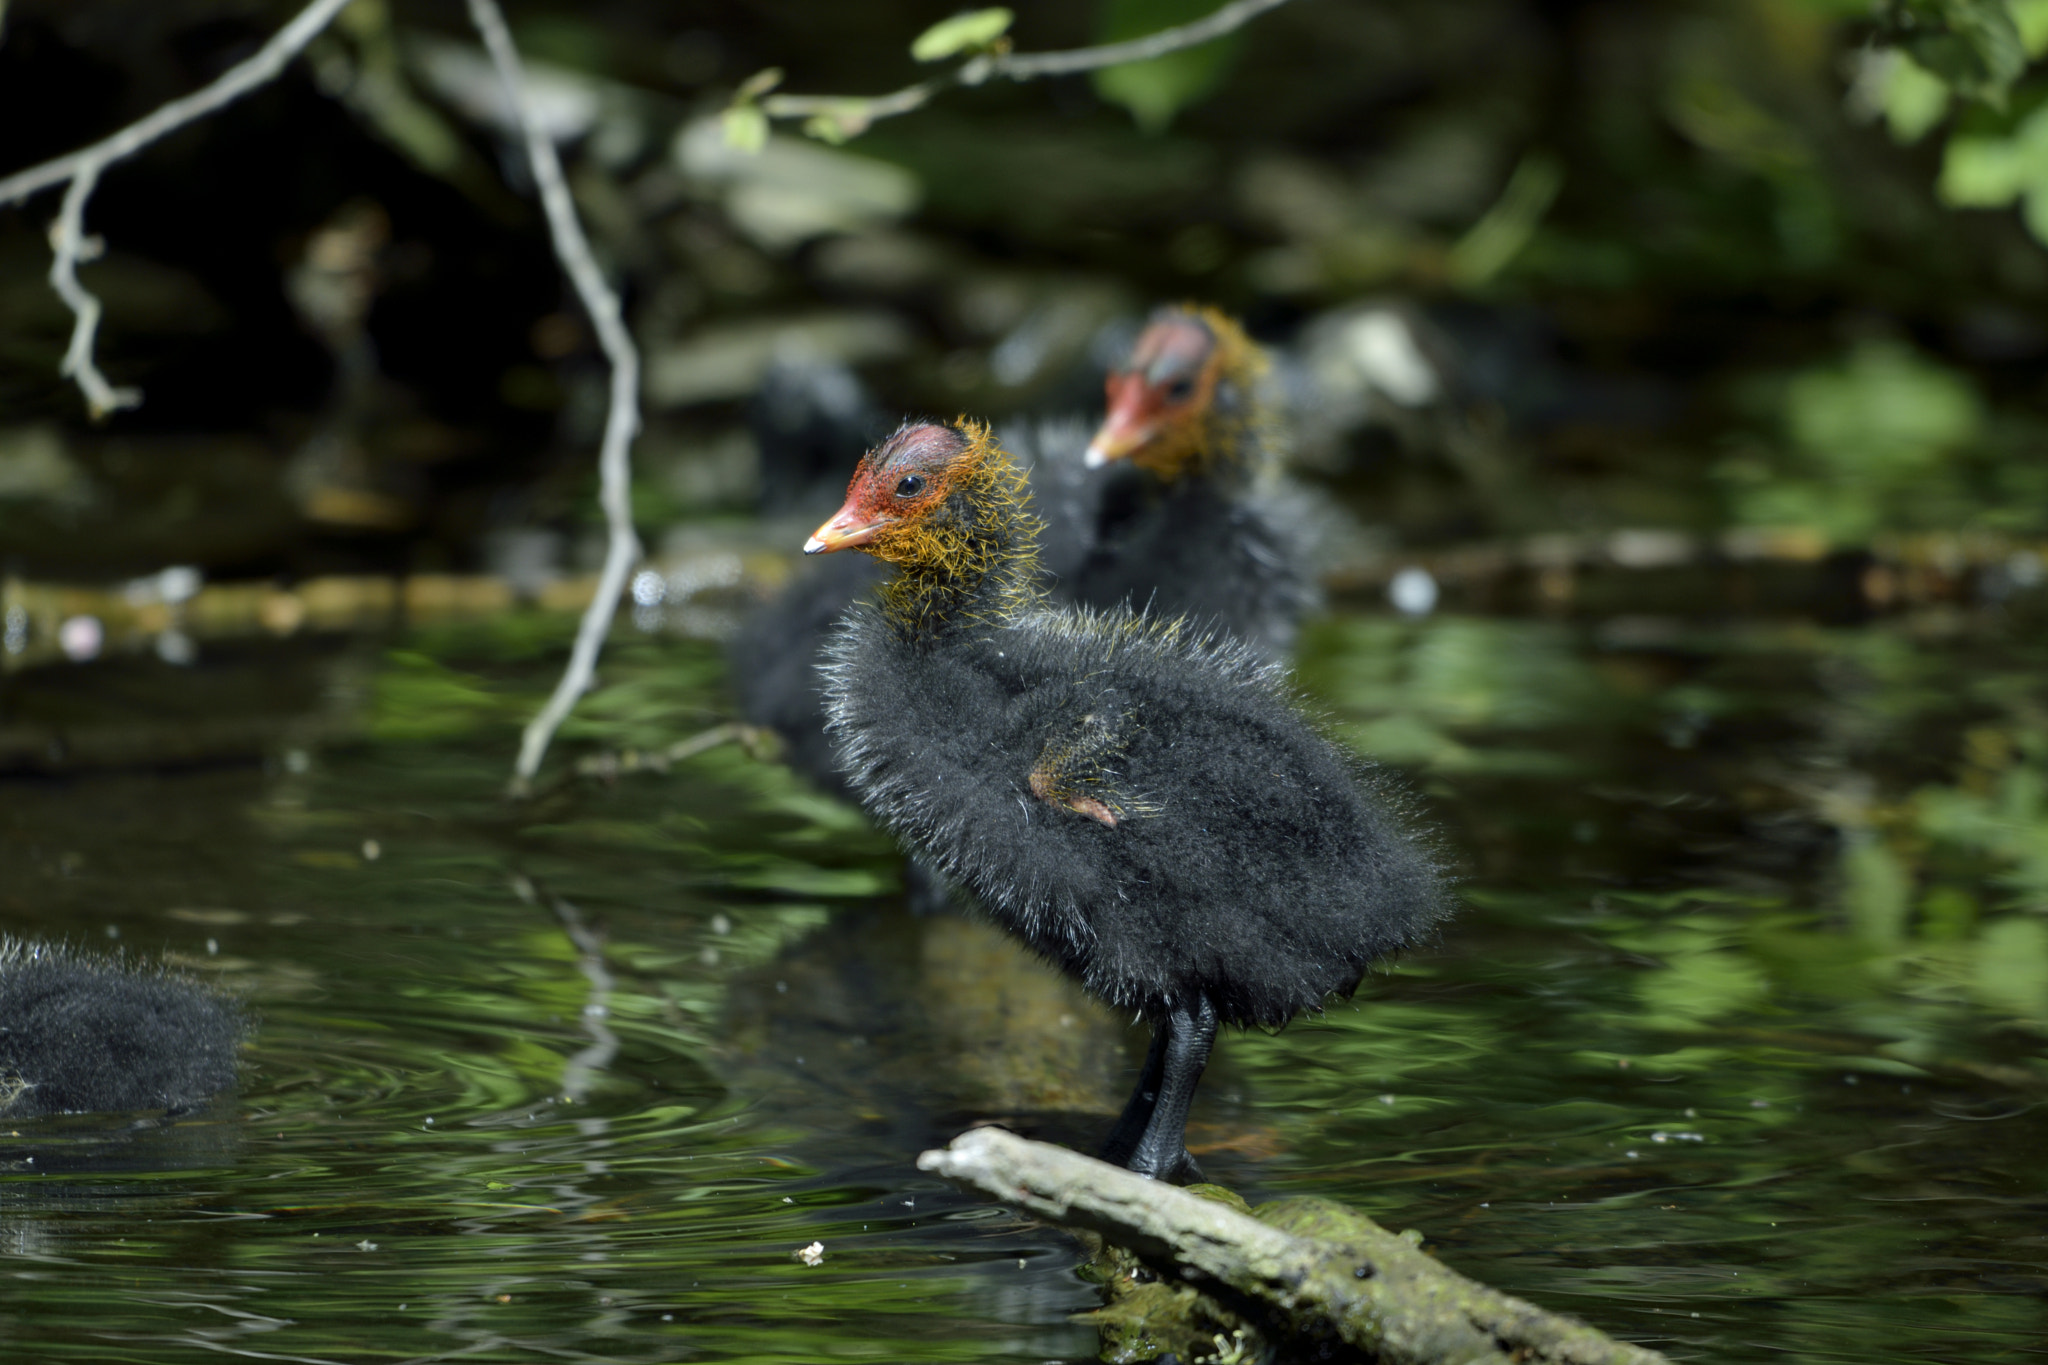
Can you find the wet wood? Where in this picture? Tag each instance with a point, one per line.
(1303, 1271)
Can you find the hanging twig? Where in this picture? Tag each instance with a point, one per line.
(853, 114)
(614, 463)
(81, 169)
(68, 247)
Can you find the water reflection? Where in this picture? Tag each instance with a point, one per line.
(1738, 1046)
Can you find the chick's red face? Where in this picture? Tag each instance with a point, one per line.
(897, 484)
(1157, 401)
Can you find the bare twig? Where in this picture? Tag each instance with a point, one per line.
(614, 464)
(1026, 66)
(612, 765)
(858, 112)
(234, 83)
(82, 170)
(68, 246)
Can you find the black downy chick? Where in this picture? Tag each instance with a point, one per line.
(1136, 800)
(1187, 524)
(87, 1035)
(1163, 509)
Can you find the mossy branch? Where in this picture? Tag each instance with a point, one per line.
(1309, 1270)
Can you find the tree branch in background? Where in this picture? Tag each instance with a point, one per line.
(82, 170)
(838, 117)
(622, 424)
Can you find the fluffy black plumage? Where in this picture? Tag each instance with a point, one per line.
(1250, 861)
(1137, 800)
(1190, 522)
(87, 1035)
(1197, 548)
(775, 655)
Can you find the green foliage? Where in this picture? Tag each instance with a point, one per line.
(1973, 51)
(2012, 967)
(745, 127)
(744, 123)
(1423, 694)
(1996, 170)
(1875, 440)
(1499, 236)
(1155, 90)
(967, 32)
(2001, 815)
(1972, 45)
(417, 698)
(1887, 410)
(1915, 99)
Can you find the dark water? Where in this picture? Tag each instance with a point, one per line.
(1737, 1051)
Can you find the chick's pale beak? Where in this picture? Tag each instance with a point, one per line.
(1130, 423)
(849, 529)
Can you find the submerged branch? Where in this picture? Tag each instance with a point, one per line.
(1347, 1277)
(622, 423)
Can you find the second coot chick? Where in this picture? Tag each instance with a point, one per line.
(87, 1035)
(1137, 801)
(1191, 527)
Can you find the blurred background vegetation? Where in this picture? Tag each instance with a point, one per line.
(1695, 265)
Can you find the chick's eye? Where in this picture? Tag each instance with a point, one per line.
(910, 486)
(1180, 390)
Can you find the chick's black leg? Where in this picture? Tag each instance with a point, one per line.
(1162, 1151)
(1130, 1128)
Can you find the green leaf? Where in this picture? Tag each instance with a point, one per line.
(1505, 229)
(1155, 90)
(1981, 172)
(745, 127)
(2030, 17)
(969, 31)
(2034, 213)
(2012, 966)
(1888, 415)
(1915, 99)
(1973, 45)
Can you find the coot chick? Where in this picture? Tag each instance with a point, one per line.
(89, 1035)
(1192, 529)
(1135, 799)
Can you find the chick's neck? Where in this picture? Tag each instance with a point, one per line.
(972, 562)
